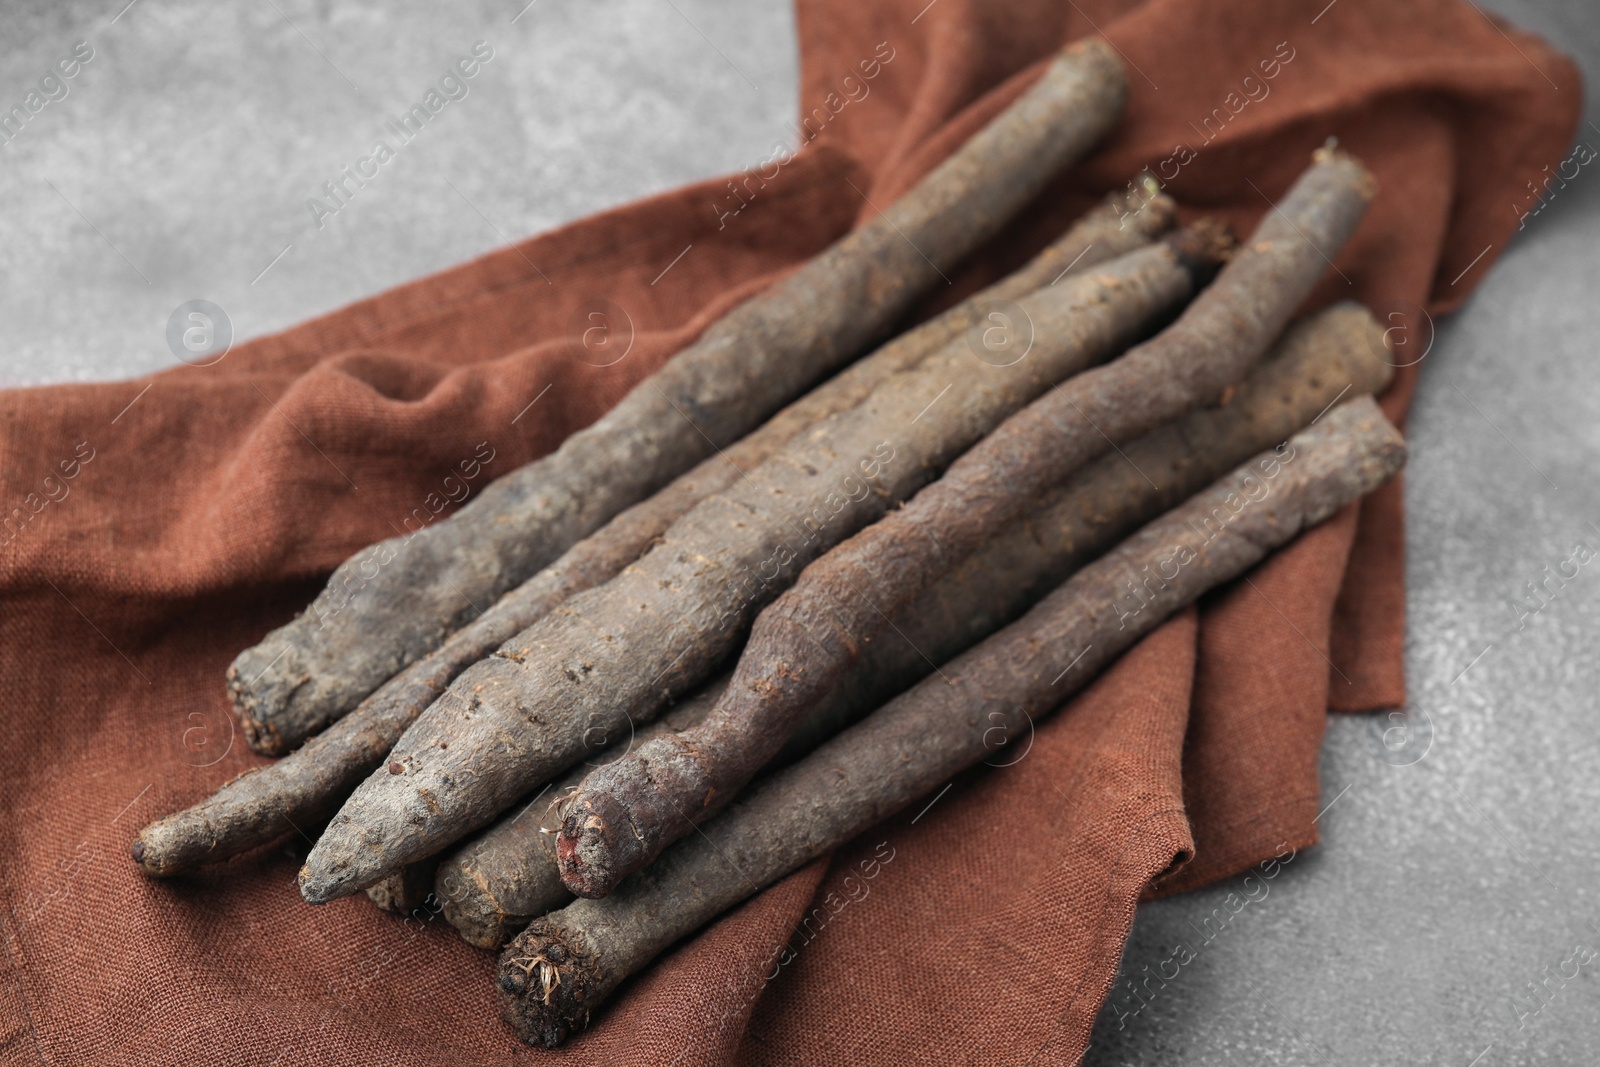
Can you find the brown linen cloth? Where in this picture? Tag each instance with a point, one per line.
(207, 512)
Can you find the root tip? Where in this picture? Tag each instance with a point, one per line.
(1203, 247)
(262, 738)
(548, 984)
(589, 854)
(153, 858)
(1332, 152)
(321, 889)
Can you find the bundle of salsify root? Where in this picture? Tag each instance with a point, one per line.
(975, 516)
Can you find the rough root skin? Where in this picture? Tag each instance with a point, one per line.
(594, 835)
(744, 366)
(305, 787)
(504, 878)
(616, 654)
(508, 875)
(903, 752)
(1072, 322)
(615, 823)
(309, 784)
(547, 984)
(804, 642)
(259, 733)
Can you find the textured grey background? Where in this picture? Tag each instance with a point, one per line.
(1460, 851)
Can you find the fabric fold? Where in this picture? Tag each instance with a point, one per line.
(205, 504)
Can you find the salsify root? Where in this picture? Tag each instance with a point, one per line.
(1338, 354)
(492, 885)
(506, 876)
(558, 971)
(617, 653)
(800, 646)
(745, 366)
(307, 787)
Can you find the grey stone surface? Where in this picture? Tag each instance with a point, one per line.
(1461, 843)
(179, 163)
(1460, 852)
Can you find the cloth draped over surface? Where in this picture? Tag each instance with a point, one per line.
(209, 512)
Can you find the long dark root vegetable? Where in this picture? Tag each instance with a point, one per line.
(507, 876)
(744, 367)
(558, 971)
(494, 884)
(615, 654)
(1334, 355)
(307, 786)
(629, 810)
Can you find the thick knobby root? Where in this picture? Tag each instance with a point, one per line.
(614, 655)
(308, 786)
(800, 646)
(932, 732)
(744, 367)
